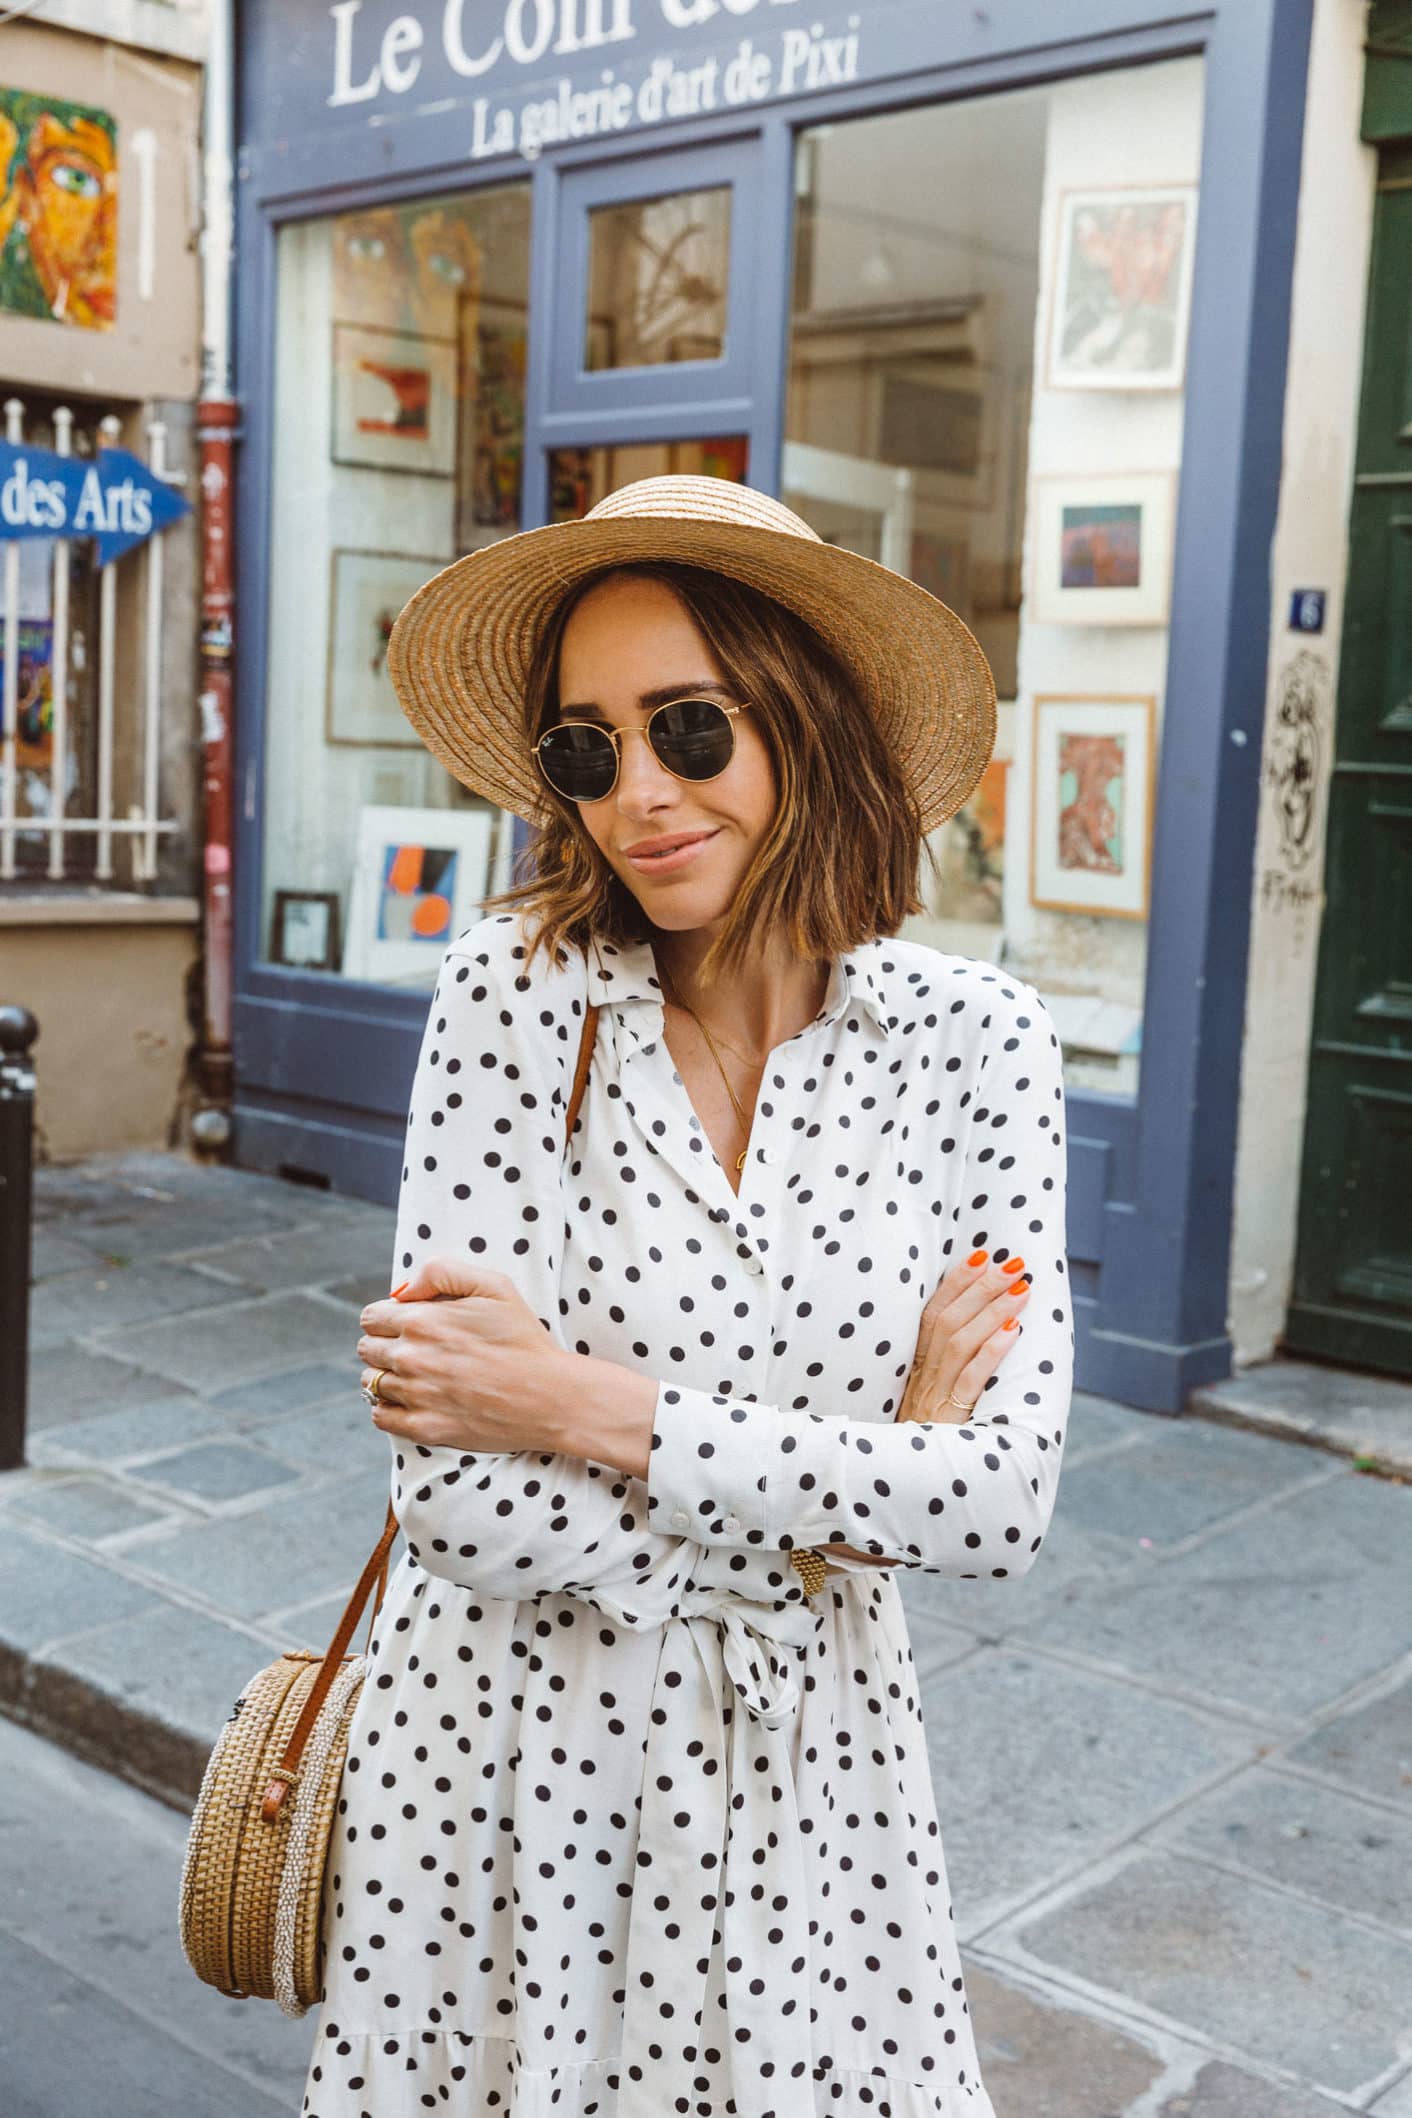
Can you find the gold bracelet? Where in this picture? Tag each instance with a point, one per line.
(810, 1567)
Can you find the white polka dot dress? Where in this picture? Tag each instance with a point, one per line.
(630, 1825)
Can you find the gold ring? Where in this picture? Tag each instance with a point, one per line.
(372, 1392)
(953, 1399)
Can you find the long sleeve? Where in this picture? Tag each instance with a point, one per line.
(939, 1498)
(484, 1142)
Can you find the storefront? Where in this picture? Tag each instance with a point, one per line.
(998, 295)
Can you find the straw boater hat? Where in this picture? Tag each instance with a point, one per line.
(460, 649)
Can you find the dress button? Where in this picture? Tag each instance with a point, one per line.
(769, 1154)
(732, 1523)
(753, 1265)
(680, 1518)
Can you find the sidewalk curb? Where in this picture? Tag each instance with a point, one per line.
(1227, 1405)
(104, 1729)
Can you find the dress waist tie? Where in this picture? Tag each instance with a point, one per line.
(719, 1845)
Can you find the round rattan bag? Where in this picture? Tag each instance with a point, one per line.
(252, 1885)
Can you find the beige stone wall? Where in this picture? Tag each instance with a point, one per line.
(113, 1033)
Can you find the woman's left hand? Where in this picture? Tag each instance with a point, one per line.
(465, 1362)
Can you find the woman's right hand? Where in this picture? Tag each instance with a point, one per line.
(966, 1330)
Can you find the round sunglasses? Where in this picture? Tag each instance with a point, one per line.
(693, 738)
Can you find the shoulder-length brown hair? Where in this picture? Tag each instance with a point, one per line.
(840, 862)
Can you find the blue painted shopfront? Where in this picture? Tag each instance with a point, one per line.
(597, 103)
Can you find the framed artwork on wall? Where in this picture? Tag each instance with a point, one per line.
(304, 930)
(1093, 785)
(366, 592)
(419, 878)
(1102, 552)
(394, 401)
(1121, 288)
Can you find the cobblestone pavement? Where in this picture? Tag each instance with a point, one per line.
(1173, 1765)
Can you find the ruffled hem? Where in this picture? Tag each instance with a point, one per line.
(463, 2075)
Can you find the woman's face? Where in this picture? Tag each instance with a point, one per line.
(626, 639)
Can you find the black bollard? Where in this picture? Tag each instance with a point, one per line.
(18, 1030)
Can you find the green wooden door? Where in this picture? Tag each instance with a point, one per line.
(1353, 1278)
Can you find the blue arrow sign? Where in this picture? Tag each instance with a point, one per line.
(112, 497)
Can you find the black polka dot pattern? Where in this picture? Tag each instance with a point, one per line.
(629, 1826)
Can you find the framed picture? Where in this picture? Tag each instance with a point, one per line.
(1093, 785)
(1122, 288)
(419, 878)
(940, 420)
(497, 443)
(367, 591)
(1102, 552)
(394, 401)
(304, 930)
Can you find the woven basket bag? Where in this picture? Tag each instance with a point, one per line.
(253, 1878)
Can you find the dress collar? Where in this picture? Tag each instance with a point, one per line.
(624, 972)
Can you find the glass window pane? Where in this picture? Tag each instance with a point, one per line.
(580, 478)
(985, 392)
(398, 445)
(657, 277)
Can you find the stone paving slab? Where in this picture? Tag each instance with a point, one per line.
(72, 1382)
(215, 1471)
(1370, 1746)
(105, 1297)
(1234, 1961)
(307, 1257)
(1397, 2103)
(1034, 2054)
(136, 1433)
(49, 1594)
(93, 1509)
(1349, 1853)
(1110, 1758)
(1343, 1409)
(1221, 2091)
(1184, 1479)
(244, 1340)
(1286, 1612)
(294, 1548)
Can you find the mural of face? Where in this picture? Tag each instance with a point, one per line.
(68, 202)
(446, 271)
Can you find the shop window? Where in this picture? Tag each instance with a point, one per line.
(988, 329)
(398, 446)
(86, 704)
(657, 276)
(580, 478)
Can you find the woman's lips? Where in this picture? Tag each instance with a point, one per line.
(664, 863)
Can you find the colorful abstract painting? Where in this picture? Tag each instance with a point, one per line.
(34, 700)
(58, 210)
(1101, 547)
(418, 893)
(1091, 802)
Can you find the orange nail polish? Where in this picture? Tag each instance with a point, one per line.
(397, 1290)
(1013, 1265)
(1011, 1323)
(978, 1257)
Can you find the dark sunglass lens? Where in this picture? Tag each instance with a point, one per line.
(579, 761)
(693, 738)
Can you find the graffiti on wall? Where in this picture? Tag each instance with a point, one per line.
(58, 210)
(1294, 770)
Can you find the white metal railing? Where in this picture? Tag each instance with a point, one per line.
(142, 826)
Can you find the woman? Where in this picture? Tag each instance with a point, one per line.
(637, 1816)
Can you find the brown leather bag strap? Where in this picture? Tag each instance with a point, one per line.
(286, 1774)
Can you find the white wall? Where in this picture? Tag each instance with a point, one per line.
(1310, 550)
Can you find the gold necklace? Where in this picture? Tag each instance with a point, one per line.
(677, 1001)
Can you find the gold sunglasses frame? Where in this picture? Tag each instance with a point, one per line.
(615, 737)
